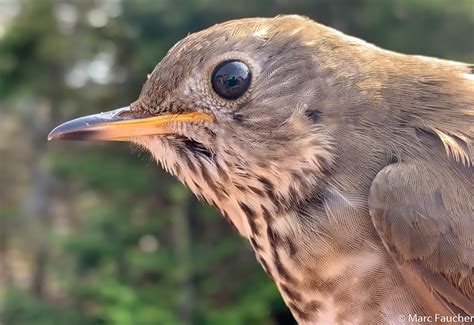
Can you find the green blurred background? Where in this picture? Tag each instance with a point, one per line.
(96, 233)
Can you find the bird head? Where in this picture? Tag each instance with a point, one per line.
(236, 112)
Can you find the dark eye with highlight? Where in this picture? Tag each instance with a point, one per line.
(231, 79)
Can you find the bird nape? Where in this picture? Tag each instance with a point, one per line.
(346, 166)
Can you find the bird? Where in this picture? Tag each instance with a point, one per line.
(348, 167)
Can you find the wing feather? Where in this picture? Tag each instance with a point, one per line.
(425, 217)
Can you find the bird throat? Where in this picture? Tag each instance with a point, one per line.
(266, 203)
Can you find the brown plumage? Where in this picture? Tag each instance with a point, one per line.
(348, 167)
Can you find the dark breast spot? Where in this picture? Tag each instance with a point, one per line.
(254, 244)
(207, 177)
(293, 193)
(343, 297)
(276, 240)
(177, 169)
(300, 313)
(324, 286)
(197, 186)
(266, 183)
(297, 177)
(256, 191)
(269, 189)
(221, 171)
(198, 149)
(266, 268)
(190, 164)
(266, 214)
(254, 227)
(271, 236)
(292, 250)
(211, 133)
(241, 188)
(282, 269)
(247, 210)
(312, 306)
(292, 294)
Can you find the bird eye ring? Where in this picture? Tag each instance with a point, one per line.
(231, 79)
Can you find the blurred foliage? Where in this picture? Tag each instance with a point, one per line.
(90, 234)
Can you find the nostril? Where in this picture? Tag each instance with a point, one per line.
(127, 115)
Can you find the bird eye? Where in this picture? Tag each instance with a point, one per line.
(231, 79)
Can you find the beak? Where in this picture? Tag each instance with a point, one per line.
(121, 125)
